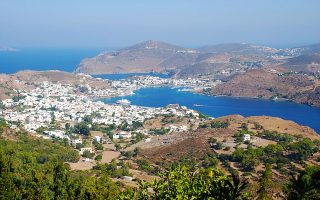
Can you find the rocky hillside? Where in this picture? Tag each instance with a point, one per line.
(309, 62)
(218, 60)
(239, 48)
(263, 83)
(219, 143)
(224, 64)
(147, 56)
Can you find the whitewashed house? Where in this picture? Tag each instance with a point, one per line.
(82, 150)
(246, 137)
(97, 139)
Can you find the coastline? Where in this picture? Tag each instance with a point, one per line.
(221, 105)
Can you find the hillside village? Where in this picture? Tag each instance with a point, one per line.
(50, 109)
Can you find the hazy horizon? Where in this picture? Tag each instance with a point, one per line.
(117, 24)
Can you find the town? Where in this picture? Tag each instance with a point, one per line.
(55, 111)
(124, 87)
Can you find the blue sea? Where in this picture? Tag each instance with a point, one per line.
(221, 106)
(43, 59)
(68, 59)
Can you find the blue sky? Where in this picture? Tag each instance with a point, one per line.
(118, 23)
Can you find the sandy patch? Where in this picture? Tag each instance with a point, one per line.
(81, 165)
(107, 156)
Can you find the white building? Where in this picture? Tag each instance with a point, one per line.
(82, 150)
(246, 137)
(97, 139)
(74, 142)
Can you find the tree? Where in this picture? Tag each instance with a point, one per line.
(67, 126)
(273, 149)
(257, 126)
(35, 169)
(118, 147)
(7, 188)
(127, 154)
(219, 124)
(3, 125)
(212, 140)
(138, 137)
(87, 119)
(98, 157)
(305, 185)
(98, 146)
(136, 125)
(82, 129)
(235, 188)
(247, 158)
(265, 183)
(106, 188)
(218, 145)
(53, 118)
(124, 126)
(181, 182)
(210, 160)
(303, 148)
(79, 146)
(144, 165)
(87, 154)
(61, 181)
(244, 126)
(136, 151)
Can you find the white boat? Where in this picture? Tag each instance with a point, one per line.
(124, 102)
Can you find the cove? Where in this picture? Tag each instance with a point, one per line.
(217, 106)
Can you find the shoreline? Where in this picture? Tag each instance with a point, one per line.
(231, 97)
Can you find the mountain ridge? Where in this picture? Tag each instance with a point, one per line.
(156, 56)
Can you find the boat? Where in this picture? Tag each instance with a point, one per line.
(124, 102)
(197, 105)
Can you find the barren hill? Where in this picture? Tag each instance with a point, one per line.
(309, 62)
(265, 84)
(147, 56)
(239, 48)
(195, 143)
(157, 56)
(221, 59)
(314, 48)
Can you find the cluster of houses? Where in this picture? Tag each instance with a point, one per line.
(137, 82)
(50, 103)
(128, 86)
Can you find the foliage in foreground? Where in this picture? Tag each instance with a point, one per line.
(183, 183)
(34, 169)
(306, 185)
